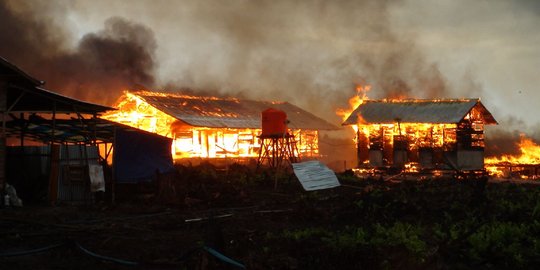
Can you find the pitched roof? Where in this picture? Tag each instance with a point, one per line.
(37, 99)
(228, 112)
(441, 111)
(11, 72)
(24, 93)
(68, 130)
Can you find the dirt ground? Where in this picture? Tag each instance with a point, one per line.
(365, 223)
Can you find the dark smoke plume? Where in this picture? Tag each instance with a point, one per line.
(502, 142)
(119, 57)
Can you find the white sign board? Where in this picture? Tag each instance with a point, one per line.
(314, 175)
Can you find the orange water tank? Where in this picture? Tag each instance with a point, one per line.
(274, 122)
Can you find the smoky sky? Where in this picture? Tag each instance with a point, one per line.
(310, 53)
(119, 56)
(302, 52)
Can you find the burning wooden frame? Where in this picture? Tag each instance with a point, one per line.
(211, 127)
(417, 134)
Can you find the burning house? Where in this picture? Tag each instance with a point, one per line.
(421, 134)
(212, 127)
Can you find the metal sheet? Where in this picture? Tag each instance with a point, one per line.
(73, 178)
(70, 131)
(416, 111)
(314, 175)
(229, 112)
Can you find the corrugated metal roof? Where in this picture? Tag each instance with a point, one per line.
(444, 111)
(25, 94)
(68, 130)
(229, 112)
(12, 73)
(37, 99)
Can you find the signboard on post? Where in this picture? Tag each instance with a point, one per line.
(314, 175)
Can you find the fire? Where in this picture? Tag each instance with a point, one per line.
(137, 113)
(530, 154)
(354, 102)
(198, 142)
(505, 165)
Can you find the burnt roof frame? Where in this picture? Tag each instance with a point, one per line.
(384, 111)
(246, 119)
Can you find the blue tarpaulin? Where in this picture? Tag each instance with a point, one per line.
(139, 156)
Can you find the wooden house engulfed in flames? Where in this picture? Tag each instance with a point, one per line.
(212, 127)
(421, 134)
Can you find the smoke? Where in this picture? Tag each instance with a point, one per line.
(310, 53)
(120, 56)
(505, 138)
(302, 52)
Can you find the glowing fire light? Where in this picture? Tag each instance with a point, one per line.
(195, 142)
(530, 154)
(502, 166)
(354, 102)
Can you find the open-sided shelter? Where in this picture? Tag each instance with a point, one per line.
(52, 140)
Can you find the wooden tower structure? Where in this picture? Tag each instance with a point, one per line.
(278, 146)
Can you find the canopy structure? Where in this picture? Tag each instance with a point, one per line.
(23, 96)
(76, 131)
(30, 111)
(23, 93)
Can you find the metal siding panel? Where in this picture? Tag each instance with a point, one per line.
(75, 191)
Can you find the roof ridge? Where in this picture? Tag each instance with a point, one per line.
(420, 100)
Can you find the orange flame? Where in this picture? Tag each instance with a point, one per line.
(190, 141)
(354, 102)
(502, 166)
(530, 154)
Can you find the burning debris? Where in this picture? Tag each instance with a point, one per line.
(212, 127)
(526, 165)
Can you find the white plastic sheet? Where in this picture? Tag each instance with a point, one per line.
(314, 175)
(97, 181)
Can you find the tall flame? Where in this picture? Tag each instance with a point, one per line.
(354, 102)
(506, 165)
(530, 154)
(193, 141)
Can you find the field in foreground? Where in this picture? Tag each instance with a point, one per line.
(371, 224)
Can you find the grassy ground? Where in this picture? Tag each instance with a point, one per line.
(370, 224)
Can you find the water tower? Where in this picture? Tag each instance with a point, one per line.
(278, 146)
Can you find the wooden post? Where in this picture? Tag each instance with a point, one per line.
(113, 178)
(3, 108)
(358, 148)
(55, 150)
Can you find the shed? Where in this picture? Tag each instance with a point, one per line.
(213, 127)
(433, 133)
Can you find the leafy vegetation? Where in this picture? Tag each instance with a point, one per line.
(422, 224)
